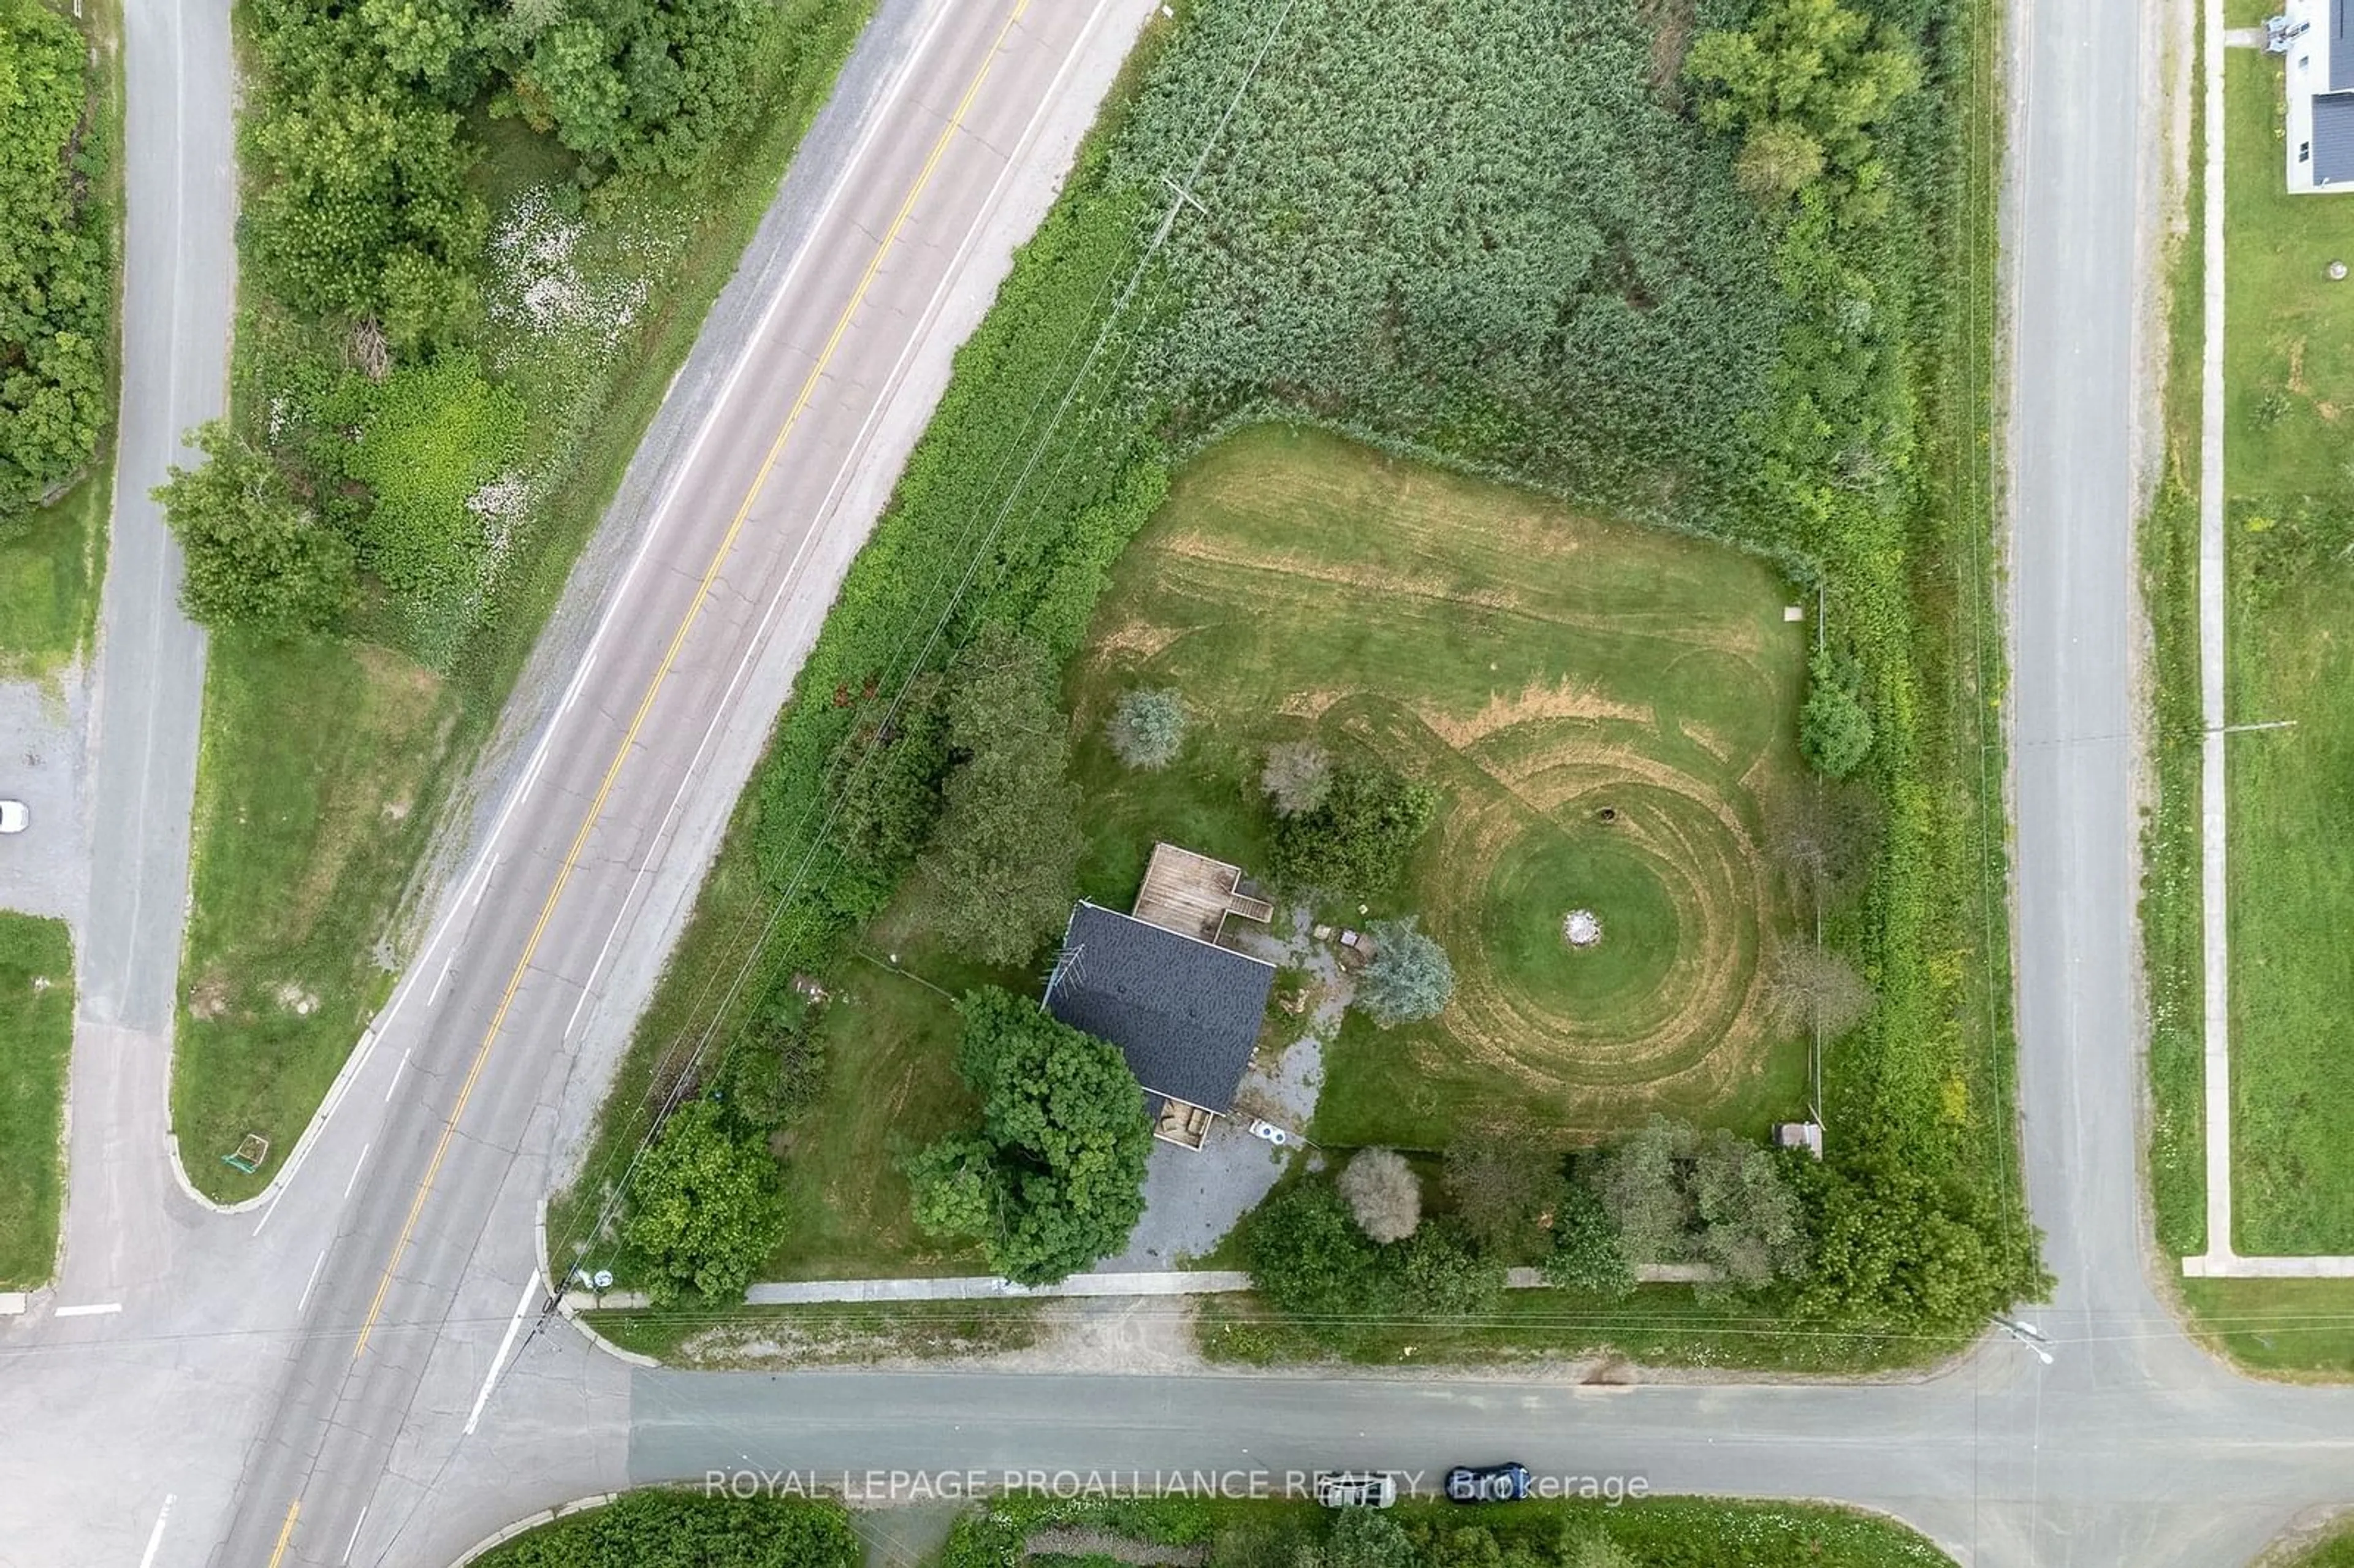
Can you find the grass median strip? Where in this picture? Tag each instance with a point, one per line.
(37, 1013)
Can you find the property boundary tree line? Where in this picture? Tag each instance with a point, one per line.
(1410, 310)
(56, 260)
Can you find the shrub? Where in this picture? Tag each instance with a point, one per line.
(774, 1066)
(681, 1530)
(1407, 979)
(1147, 729)
(1587, 1252)
(1354, 843)
(1054, 1178)
(1833, 730)
(704, 1208)
(1297, 775)
(1826, 835)
(1383, 1194)
(883, 779)
(1308, 1256)
(1362, 1538)
(1443, 1274)
(1003, 859)
(254, 556)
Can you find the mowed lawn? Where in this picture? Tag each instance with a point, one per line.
(1540, 668)
(2290, 378)
(36, 1011)
(303, 841)
(891, 1086)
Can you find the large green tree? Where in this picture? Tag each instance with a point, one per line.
(1003, 861)
(1355, 840)
(1054, 1178)
(255, 557)
(1679, 1194)
(703, 1207)
(1805, 83)
(645, 85)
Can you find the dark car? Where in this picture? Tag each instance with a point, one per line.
(1487, 1483)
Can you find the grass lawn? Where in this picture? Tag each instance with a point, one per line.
(1537, 666)
(735, 1337)
(2333, 1549)
(49, 576)
(2289, 366)
(36, 1011)
(321, 770)
(300, 847)
(2296, 1329)
(1661, 1325)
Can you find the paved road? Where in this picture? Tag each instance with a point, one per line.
(404, 1242)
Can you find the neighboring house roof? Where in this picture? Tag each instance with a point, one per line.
(1186, 1013)
(2332, 138)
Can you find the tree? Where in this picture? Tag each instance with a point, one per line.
(1834, 731)
(1817, 990)
(1054, 1178)
(1445, 1275)
(883, 779)
(1005, 857)
(1383, 1193)
(773, 1067)
(1408, 977)
(704, 1208)
(1898, 1251)
(1806, 82)
(637, 85)
(1681, 1195)
(1826, 836)
(1506, 1185)
(1642, 1192)
(56, 293)
(1147, 729)
(1586, 1252)
(1308, 1256)
(1296, 777)
(254, 556)
(1354, 842)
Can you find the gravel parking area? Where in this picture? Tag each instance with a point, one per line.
(45, 870)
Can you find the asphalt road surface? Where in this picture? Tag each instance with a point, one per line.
(312, 1382)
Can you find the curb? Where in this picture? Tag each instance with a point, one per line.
(500, 1537)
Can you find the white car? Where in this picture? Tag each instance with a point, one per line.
(1356, 1489)
(13, 816)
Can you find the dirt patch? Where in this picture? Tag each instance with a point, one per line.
(1567, 700)
(209, 1000)
(296, 1001)
(1672, 23)
(1139, 639)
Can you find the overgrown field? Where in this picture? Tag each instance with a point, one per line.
(36, 1012)
(2289, 378)
(1538, 668)
(448, 343)
(1559, 266)
(1691, 1533)
(61, 203)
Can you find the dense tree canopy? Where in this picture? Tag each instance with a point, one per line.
(1054, 1178)
(1355, 840)
(55, 292)
(1805, 83)
(1003, 859)
(703, 1207)
(255, 557)
(1678, 1195)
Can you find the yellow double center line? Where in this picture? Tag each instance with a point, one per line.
(645, 703)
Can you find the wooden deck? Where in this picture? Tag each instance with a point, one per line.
(1193, 895)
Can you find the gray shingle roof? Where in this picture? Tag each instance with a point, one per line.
(2333, 139)
(1185, 1015)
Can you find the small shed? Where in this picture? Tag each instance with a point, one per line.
(1805, 1135)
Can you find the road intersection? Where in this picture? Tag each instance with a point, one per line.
(357, 1370)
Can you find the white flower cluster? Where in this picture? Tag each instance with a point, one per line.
(539, 285)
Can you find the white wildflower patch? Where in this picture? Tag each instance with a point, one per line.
(538, 282)
(499, 506)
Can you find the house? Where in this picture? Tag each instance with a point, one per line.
(1184, 1011)
(2317, 39)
